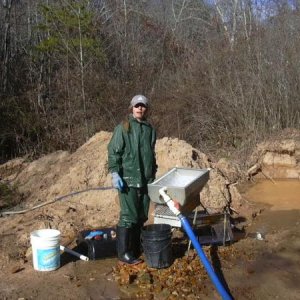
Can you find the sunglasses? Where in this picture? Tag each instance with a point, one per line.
(140, 104)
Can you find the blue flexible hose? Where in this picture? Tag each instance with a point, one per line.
(188, 229)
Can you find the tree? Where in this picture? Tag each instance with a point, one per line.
(69, 37)
(6, 43)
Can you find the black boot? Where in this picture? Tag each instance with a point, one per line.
(124, 238)
(136, 240)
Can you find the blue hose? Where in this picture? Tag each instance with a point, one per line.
(187, 227)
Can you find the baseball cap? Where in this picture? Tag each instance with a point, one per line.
(139, 99)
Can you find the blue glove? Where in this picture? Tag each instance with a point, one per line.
(117, 181)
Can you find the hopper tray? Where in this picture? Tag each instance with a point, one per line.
(182, 184)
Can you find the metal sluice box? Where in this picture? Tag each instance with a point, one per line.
(182, 184)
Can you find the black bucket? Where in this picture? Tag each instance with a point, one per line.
(98, 248)
(157, 245)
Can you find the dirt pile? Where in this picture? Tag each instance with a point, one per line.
(62, 173)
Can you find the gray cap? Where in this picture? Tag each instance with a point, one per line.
(139, 99)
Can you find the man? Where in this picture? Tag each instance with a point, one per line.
(132, 164)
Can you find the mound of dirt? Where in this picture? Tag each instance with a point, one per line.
(83, 174)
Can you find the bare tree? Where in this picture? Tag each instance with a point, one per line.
(6, 4)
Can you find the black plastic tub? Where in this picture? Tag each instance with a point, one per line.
(103, 246)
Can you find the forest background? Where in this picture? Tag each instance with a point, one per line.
(220, 74)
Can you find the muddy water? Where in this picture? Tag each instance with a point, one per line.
(280, 194)
(281, 200)
(272, 269)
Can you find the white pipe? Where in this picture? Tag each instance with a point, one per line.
(169, 201)
(82, 257)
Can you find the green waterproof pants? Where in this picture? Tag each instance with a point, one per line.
(134, 207)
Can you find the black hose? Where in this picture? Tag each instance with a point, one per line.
(5, 213)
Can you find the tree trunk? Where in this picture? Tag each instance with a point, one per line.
(6, 45)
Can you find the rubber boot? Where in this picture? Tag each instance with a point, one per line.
(124, 238)
(136, 240)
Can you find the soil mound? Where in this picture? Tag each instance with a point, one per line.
(83, 175)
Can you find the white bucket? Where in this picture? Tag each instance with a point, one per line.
(45, 249)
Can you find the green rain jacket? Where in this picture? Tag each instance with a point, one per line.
(131, 152)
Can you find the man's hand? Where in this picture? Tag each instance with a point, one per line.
(117, 181)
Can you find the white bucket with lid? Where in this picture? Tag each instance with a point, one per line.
(45, 249)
